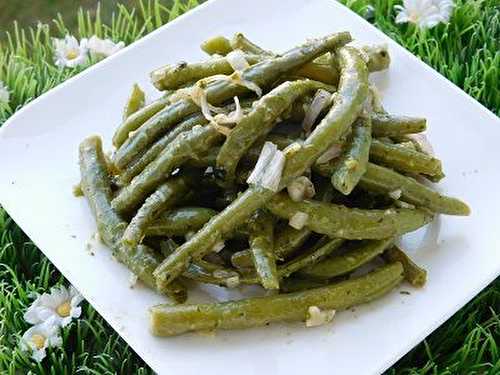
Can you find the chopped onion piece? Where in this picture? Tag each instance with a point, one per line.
(423, 142)
(218, 246)
(237, 60)
(376, 99)
(238, 80)
(301, 188)
(402, 204)
(298, 220)
(292, 148)
(232, 118)
(265, 157)
(317, 317)
(333, 152)
(269, 167)
(132, 280)
(272, 177)
(396, 194)
(320, 101)
(233, 282)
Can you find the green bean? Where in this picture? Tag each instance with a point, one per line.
(310, 258)
(167, 320)
(351, 165)
(414, 274)
(262, 74)
(404, 159)
(347, 105)
(378, 59)
(348, 262)
(187, 145)
(172, 77)
(385, 125)
(287, 241)
(227, 278)
(96, 185)
(180, 221)
(261, 228)
(138, 165)
(352, 92)
(294, 284)
(216, 45)
(239, 41)
(349, 223)
(166, 196)
(135, 120)
(217, 229)
(259, 122)
(135, 102)
(384, 180)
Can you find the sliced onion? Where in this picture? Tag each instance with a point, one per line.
(232, 118)
(237, 79)
(218, 246)
(317, 317)
(301, 188)
(272, 176)
(320, 101)
(396, 194)
(298, 220)
(237, 60)
(269, 167)
(333, 152)
(266, 154)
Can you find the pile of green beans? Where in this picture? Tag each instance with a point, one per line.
(173, 204)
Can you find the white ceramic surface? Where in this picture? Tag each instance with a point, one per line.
(38, 153)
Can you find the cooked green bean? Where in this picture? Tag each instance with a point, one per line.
(180, 221)
(166, 196)
(310, 258)
(261, 233)
(172, 77)
(347, 105)
(348, 262)
(261, 74)
(385, 125)
(294, 284)
(351, 165)
(239, 41)
(349, 223)
(404, 159)
(96, 185)
(135, 102)
(135, 120)
(352, 92)
(259, 122)
(138, 165)
(323, 71)
(167, 320)
(414, 274)
(188, 145)
(384, 180)
(216, 45)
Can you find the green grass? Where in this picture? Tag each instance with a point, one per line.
(466, 51)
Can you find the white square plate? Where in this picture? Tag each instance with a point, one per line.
(38, 150)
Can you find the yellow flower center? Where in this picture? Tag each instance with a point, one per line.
(72, 54)
(38, 340)
(64, 309)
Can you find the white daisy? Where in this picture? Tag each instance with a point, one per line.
(100, 48)
(4, 94)
(60, 304)
(424, 13)
(68, 52)
(40, 337)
